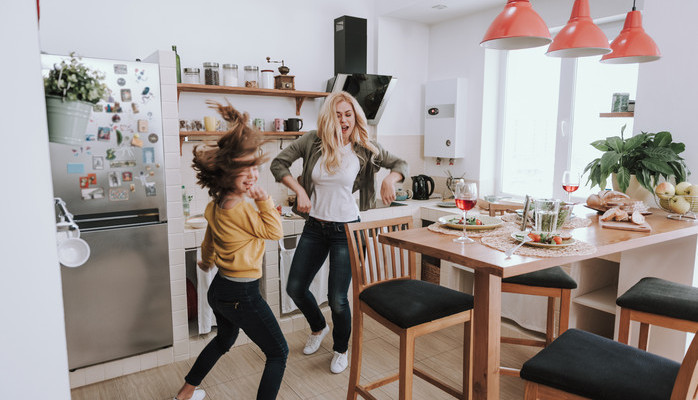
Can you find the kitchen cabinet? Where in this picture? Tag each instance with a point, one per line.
(299, 96)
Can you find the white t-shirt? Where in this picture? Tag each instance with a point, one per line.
(332, 198)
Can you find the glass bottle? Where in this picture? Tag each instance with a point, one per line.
(251, 79)
(185, 202)
(191, 75)
(179, 69)
(211, 73)
(230, 74)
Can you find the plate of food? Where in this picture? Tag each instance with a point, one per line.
(550, 241)
(479, 222)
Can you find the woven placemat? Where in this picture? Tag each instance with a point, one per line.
(504, 242)
(572, 223)
(504, 229)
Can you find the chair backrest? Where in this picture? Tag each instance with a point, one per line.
(686, 385)
(373, 262)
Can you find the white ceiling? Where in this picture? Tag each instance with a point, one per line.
(423, 11)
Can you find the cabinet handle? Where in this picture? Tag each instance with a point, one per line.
(448, 143)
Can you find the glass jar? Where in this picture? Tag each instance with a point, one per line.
(230, 74)
(267, 79)
(251, 79)
(191, 75)
(211, 73)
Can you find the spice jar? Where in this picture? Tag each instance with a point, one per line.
(251, 72)
(230, 74)
(211, 74)
(267, 79)
(191, 75)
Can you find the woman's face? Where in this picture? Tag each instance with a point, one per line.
(247, 177)
(346, 119)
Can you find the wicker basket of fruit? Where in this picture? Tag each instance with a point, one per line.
(681, 201)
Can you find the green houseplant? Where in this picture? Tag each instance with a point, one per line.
(71, 90)
(647, 156)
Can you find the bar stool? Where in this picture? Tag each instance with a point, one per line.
(581, 365)
(654, 301)
(386, 288)
(552, 283)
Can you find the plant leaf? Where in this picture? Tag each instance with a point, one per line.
(600, 145)
(677, 148)
(662, 139)
(615, 143)
(657, 166)
(609, 161)
(623, 178)
(660, 154)
(634, 142)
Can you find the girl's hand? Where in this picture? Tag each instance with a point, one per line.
(257, 193)
(302, 201)
(204, 267)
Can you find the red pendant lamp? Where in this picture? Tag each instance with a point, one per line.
(580, 37)
(516, 27)
(632, 45)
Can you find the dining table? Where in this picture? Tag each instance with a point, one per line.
(668, 251)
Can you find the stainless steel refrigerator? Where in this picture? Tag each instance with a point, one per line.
(118, 303)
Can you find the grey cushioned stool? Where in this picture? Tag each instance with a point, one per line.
(654, 301)
(580, 364)
(552, 283)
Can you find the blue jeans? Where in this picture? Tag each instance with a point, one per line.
(239, 305)
(317, 240)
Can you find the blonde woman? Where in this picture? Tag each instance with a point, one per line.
(338, 159)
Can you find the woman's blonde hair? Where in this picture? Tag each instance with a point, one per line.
(218, 165)
(330, 130)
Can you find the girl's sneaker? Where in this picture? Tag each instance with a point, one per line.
(314, 341)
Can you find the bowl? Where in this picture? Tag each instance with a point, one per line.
(73, 252)
(679, 206)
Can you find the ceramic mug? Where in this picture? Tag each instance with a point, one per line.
(278, 124)
(293, 125)
(211, 124)
(259, 123)
(401, 194)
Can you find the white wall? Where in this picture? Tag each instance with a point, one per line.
(667, 87)
(34, 362)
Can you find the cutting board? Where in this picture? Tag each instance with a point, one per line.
(625, 226)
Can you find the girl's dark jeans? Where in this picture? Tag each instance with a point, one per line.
(239, 305)
(317, 240)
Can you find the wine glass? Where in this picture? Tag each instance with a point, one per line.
(570, 182)
(466, 198)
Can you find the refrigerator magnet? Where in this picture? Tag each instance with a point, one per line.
(140, 75)
(111, 154)
(134, 108)
(127, 176)
(92, 193)
(121, 81)
(132, 187)
(153, 138)
(148, 155)
(136, 141)
(142, 125)
(84, 182)
(114, 179)
(150, 190)
(92, 178)
(104, 133)
(118, 194)
(97, 162)
(75, 168)
(117, 107)
(120, 69)
(125, 94)
(97, 108)
(116, 118)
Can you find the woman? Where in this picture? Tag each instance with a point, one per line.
(338, 159)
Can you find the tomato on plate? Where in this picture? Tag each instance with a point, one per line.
(557, 239)
(534, 236)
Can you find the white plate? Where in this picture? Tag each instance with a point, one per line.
(488, 222)
(447, 204)
(197, 222)
(73, 252)
(519, 236)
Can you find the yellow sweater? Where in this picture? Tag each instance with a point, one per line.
(234, 238)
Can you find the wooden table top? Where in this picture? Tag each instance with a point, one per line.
(479, 256)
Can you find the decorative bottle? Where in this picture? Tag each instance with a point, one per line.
(185, 202)
(179, 69)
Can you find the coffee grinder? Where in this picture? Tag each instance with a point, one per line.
(283, 81)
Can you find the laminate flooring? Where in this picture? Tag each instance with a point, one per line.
(236, 375)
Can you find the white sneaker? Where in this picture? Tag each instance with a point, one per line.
(199, 394)
(339, 362)
(314, 341)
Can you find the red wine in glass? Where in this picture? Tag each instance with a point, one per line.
(570, 183)
(465, 204)
(466, 198)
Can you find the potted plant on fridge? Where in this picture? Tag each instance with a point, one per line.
(637, 162)
(71, 90)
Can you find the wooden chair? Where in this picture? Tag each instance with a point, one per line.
(654, 301)
(581, 365)
(386, 288)
(552, 283)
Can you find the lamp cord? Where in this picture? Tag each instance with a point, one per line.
(633, 5)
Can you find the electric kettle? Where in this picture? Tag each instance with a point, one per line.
(422, 187)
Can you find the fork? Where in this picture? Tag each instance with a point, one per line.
(511, 251)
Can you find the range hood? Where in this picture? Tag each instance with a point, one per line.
(370, 90)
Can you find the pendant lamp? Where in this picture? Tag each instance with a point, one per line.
(580, 37)
(632, 45)
(516, 27)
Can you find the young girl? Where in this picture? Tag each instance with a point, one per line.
(234, 242)
(338, 159)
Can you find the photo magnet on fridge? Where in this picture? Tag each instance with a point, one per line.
(97, 162)
(148, 155)
(118, 194)
(114, 179)
(125, 94)
(92, 193)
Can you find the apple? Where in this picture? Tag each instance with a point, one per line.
(691, 191)
(679, 205)
(681, 187)
(665, 190)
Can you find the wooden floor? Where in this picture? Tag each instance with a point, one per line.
(237, 374)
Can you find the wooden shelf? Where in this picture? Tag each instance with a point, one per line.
(629, 114)
(196, 136)
(299, 95)
(603, 299)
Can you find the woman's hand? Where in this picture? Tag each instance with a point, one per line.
(302, 201)
(204, 267)
(257, 193)
(388, 187)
